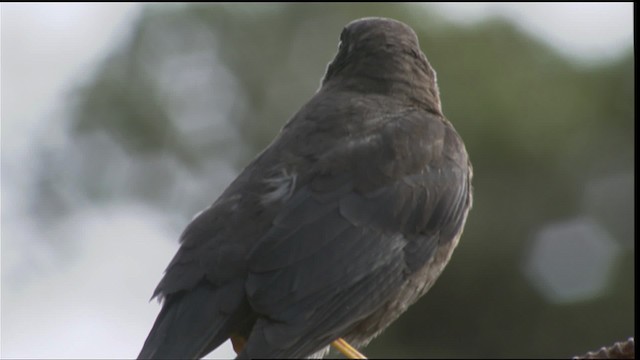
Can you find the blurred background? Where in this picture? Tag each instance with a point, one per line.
(121, 121)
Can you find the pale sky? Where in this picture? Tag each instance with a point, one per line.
(585, 31)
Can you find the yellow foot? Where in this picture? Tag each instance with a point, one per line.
(347, 350)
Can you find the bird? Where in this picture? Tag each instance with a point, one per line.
(340, 224)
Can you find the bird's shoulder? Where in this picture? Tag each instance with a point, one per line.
(375, 139)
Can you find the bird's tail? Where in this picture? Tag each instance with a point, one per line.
(190, 325)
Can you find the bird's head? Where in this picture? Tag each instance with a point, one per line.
(383, 55)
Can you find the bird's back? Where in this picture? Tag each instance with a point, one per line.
(346, 219)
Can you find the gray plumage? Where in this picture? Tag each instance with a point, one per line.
(345, 220)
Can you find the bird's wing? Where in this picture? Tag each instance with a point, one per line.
(344, 242)
(203, 286)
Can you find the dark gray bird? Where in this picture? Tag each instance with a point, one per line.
(345, 220)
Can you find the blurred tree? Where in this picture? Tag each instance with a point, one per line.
(198, 86)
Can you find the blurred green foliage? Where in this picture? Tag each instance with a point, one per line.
(538, 127)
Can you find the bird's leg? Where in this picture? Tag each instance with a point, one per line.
(238, 343)
(347, 350)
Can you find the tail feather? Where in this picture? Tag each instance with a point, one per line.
(189, 325)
